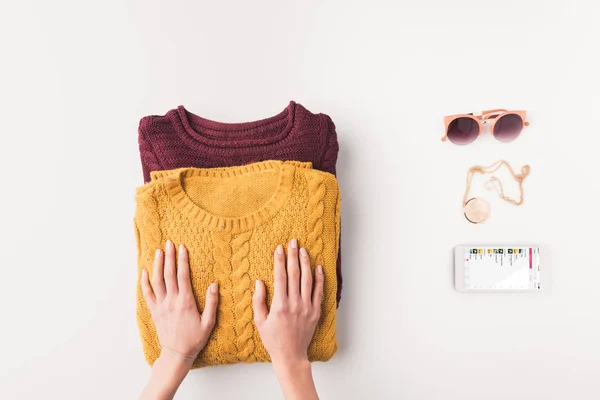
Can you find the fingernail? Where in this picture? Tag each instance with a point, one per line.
(169, 245)
(157, 253)
(280, 249)
(257, 285)
(294, 243)
(303, 252)
(144, 273)
(320, 270)
(214, 287)
(181, 248)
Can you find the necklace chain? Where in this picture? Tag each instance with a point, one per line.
(491, 182)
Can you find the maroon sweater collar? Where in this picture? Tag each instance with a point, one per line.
(194, 129)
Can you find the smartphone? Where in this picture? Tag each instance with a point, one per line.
(497, 269)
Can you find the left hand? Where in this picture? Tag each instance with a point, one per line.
(180, 326)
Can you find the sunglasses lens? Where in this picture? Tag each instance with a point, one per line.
(508, 127)
(463, 130)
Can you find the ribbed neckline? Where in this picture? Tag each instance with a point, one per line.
(222, 134)
(174, 187)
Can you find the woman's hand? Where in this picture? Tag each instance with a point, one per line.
(287, 330)
(182, 330)
(180, 327)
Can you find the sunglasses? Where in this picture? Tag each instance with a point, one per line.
(465, 128)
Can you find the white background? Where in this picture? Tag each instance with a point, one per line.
(76, 77)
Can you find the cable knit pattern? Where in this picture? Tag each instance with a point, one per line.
(231, 220)
(181, 139)
(315, 247)
(244, 327)
(315, 209)
(226, 311)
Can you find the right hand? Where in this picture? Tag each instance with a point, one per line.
(287, 330)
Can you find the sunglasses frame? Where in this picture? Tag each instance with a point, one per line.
(487, 117)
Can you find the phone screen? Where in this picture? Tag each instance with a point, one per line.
(502, 268)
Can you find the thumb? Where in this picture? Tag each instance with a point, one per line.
(258, 301)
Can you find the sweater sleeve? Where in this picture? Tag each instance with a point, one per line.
(148, 156)
(330, 153)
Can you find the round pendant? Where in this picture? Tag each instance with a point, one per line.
(476, 210)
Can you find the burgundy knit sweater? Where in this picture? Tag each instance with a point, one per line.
(180, 139)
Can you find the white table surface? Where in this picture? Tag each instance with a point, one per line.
(76, 77)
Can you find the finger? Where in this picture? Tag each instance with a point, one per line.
(293, 271)
(147, 290)
(209, 315)
(258, 303)
(170, 278)
(305, 277)
(318, 290)
(280, 276)
(158, 280)
(183, 271)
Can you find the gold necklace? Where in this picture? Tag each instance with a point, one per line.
(477, 210)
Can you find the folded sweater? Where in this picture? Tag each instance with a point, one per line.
(231, 220)
(180, 139)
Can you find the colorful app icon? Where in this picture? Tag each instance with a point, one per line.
(489, 251)
(480, 251)
(510, 251)
(495, 251)
(500, 251)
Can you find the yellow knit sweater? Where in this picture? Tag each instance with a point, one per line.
(231, 220)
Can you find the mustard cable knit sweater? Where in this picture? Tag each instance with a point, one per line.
(231, 220)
